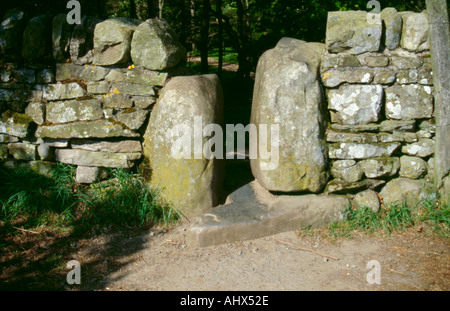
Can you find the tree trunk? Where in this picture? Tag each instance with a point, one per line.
(204, 34)
(220, 34)
(133, 13)
(192, 28)
(152, 9)
(244, 39)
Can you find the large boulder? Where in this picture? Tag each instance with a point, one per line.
(37, 38)
(173, 145)
(112, 40)
(155, 46)
(288, 94)
(403, 190)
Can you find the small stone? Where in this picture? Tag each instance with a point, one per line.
(412, 167)
(422, 148)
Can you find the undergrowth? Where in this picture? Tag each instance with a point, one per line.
(430, 216)
(30, 200)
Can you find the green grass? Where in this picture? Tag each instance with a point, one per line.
(30, 200)
(430, 215)
(229, 55)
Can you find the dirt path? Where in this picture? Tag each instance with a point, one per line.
(409, 261)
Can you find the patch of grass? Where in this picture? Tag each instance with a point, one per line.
(430, 215)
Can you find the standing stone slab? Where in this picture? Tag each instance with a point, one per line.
(351, 32)
(112, 40)
(415, 32)
(155, 46)
(393, 23)
(355, 104)
(406, 102)
(189, 179)
(288, 94)
(37, 38)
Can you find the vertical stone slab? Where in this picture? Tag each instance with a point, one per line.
(440, 49)
(288, 94)
(175, 139)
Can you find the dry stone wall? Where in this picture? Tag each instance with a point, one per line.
(379, 88)
(81, 94)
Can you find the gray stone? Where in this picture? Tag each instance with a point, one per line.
(37, 38)
(82, 41)
(46, 153)
(112, 40)
(393, 23)
(22, 151)
(39, 167)
(406, 62)
(8, 139)
(143, 102)
(253, 212)
(100, 159)
(288, 95)
(17, 124)
(360, 151)
(355, 104)
(422, 148)
(87, 174)
(339, 60)
(45, 76)
(74, 110)
(397, 125)
(132, 118)
(397, 137)
(367, 198)
(351, 32)
(138, 75)
(363, 138)
(155, 46)
(412, 167)
(384, 75)
(408, 102)
(347, 170)
(122, 146)
(385, 126)
(36, 111)
(99, 87)
(403, 190)
(117, 101)
(415, 32)
(380, 167)
(407, 76)
(88, 129)
(61, 34)
(374, 60)
(57, 143)
(132, 89)
(336, 76)
(61, 91)
(341, 186)
(3, 152)
(87, 72)
(189, 179)
(11, 28)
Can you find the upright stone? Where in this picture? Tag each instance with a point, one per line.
(61, 33)
(37, 38)
(288, 95)
(173, 146)
(415, 32)
(155, 46)
(112, 40)
(393, 24)
(11, 28)
(351, 32)
(440, 50)
(82, 41)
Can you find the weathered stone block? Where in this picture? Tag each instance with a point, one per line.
(3, 151)
(361, 151)
(60, 91)
(364, 138)
(100, 159)
(347, 170)
(367, 198)
(341, 186)
(22, 151)
(422, 148)
(406, 62)
(74, 110)
(99, 87)
(16, 124)
(45, 76)
(403, 190)
(122, 146)
(339, 60)
(408, 102)
(87, 174)
(133, 89)
(385, 75)
(88, 129)
(8, 139)
(112, 40)
(355, 104)
(155, 46)
(407, 76)
(393, 24)
(82, 41)
(380, 167)
(351, 32)
(117, 101)
(415, 32)
(288, 94)
(412, 167)
(132, 118)
(336, 76)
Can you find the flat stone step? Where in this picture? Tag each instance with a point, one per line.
(253, 212)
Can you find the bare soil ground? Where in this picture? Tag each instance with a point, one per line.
(155, 259)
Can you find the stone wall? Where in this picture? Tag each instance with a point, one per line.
(379, 89)
(81, 94)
